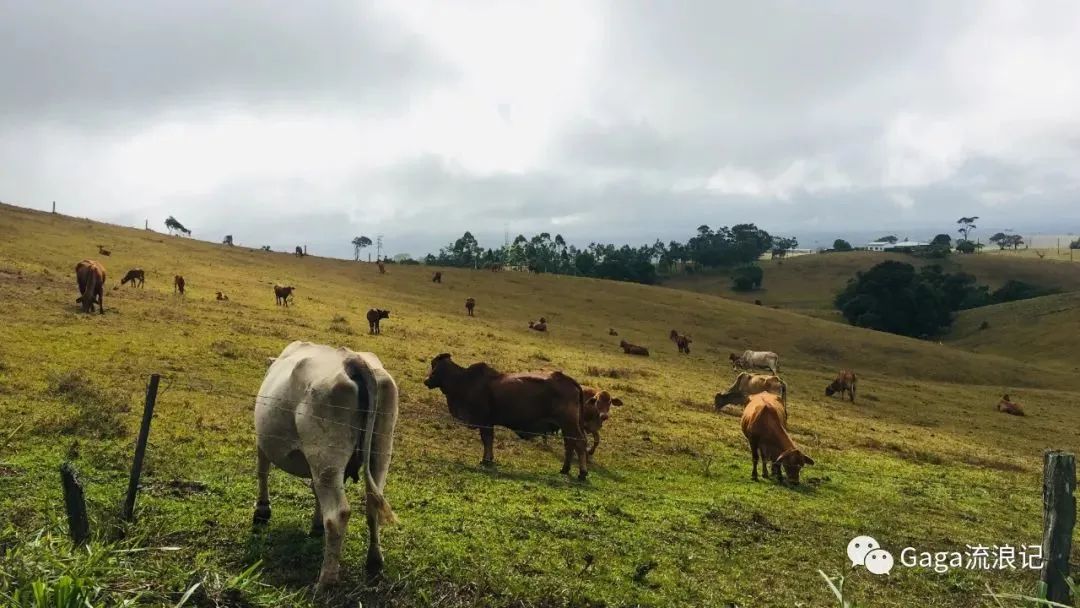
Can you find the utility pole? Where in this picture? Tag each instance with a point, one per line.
(54, 206)
(378, 247)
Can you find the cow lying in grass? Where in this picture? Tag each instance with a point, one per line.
(747, 384)
(530, 404)
(540, 325)
(681, 341)
(1008, 406)
(221, 297)
(756, 359)
(844, 383)
(763, 424)
(633, 349)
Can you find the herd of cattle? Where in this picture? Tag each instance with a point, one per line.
(325, 414)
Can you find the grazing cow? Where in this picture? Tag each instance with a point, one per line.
(282, 294)
(90, 276)
(844, 383)
(101, 249)
(178, 284)
(681, 341)
(752, 359)
(373, 317)
(747, 384)
(763, 424)
(611, 332)
(1009, 407)
(222, 297)
(136, 276)
(540, 325)
(382, 267)
(437, 277)
(529, 404)
(299, 252)
(633, 349)
(326, 414)
(596, 411)
(470, 304)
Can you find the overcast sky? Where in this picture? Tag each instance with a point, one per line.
(292, 122)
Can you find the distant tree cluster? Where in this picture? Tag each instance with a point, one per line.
(894, 297)
(841, 245)
(1004, 241)
(724, 247)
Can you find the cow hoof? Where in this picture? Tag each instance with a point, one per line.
(582, 475)
(565, 471)
(487, 464)
(262, 515)
(373, 570)
(753, 478)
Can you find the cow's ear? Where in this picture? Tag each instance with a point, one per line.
(617, 402)
(807, 460)
(270, 361)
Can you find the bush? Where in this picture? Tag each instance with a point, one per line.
(1018, 290)
(892, 297)
(1075, 244)
(964, 246)
(747, 278)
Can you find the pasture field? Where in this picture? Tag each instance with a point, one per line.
(1047, 328)
(668, 517)
(808, 283)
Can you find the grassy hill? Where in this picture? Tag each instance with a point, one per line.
(1043, 328)
(668, 517)
(808, 283)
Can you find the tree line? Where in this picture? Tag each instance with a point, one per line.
(708, 248)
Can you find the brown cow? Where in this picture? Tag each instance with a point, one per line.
(747, 384)
(529, 404)
(437, 277)
(90, 276)
(1009, 407)
(178, 284)
(282, 293)
(373, 317)
(611, 332)
(136, 276)
(540, 325)
(764, 427)
(470, 304)
(382, 267)
(101, 249)
(222, 297)
(633, 349)
(596, 411)
(681, 341)
(844, 383)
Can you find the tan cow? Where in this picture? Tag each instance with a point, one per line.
(844, 383)
(596, 411)
(763, 424)
(747, 384)
(1008, 406)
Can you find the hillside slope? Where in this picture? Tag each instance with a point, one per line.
(1046, 329)
(808, 283)
(669, 516)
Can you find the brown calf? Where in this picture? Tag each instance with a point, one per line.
(136, 276)
(382, 267)
(540, 325)
(178, 284)
(844, 383)
(681, 341)
(633, 349)
(90, 276)
(373, 317)
(437, 277)
(765, 430)
(529, 404)
(596, 411)
(1009, 407)
(470, 304)
(611, 332)
(222, 297)
(103, 251)
(282, 293)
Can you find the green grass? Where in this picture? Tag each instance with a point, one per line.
(668, 517)
(1043, 328)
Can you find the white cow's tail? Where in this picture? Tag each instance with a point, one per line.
(383, 405)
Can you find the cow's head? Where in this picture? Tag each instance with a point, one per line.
(382, 314)
(734, 358)
(437, 375)
(598, 410)
(674, 335)
(831, 389)
(734, 397)
(792, 461)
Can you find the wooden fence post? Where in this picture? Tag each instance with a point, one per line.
(140, 447)
(75, 504)
(1059, 518)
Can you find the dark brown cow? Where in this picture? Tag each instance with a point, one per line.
(681, 341)
(101, 249)
(90, 276)
(470, 304)
(222, 297)
(437, 277)
(764, 427)
(611, 332)
(540, 325)
(1007, 406)
(596, 411)
(373, 317)
(178, 284)
(136, 276)
(299, 252)
(282, 293)
(633, 349)
(529, 404)
(844, 383)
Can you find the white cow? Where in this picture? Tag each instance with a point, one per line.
(322, 413)
(751, 359)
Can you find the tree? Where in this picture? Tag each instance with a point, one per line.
(783, 244)
(1000, 239)
(967, 224)
(966, 246)
(942, 240)
(746, 278)
(841, 245)
(887, 239)
(359, 243)
(1075, 244)
(892, 297)
(174, 226)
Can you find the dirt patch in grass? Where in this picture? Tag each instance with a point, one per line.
(99, 412)
(902, 451)
(8, 471)
(224, 348)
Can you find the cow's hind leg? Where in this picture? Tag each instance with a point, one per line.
(580, 446)
(568, 454)
(262, 505)
(754, 456)
(330, 491)
(487, 436)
